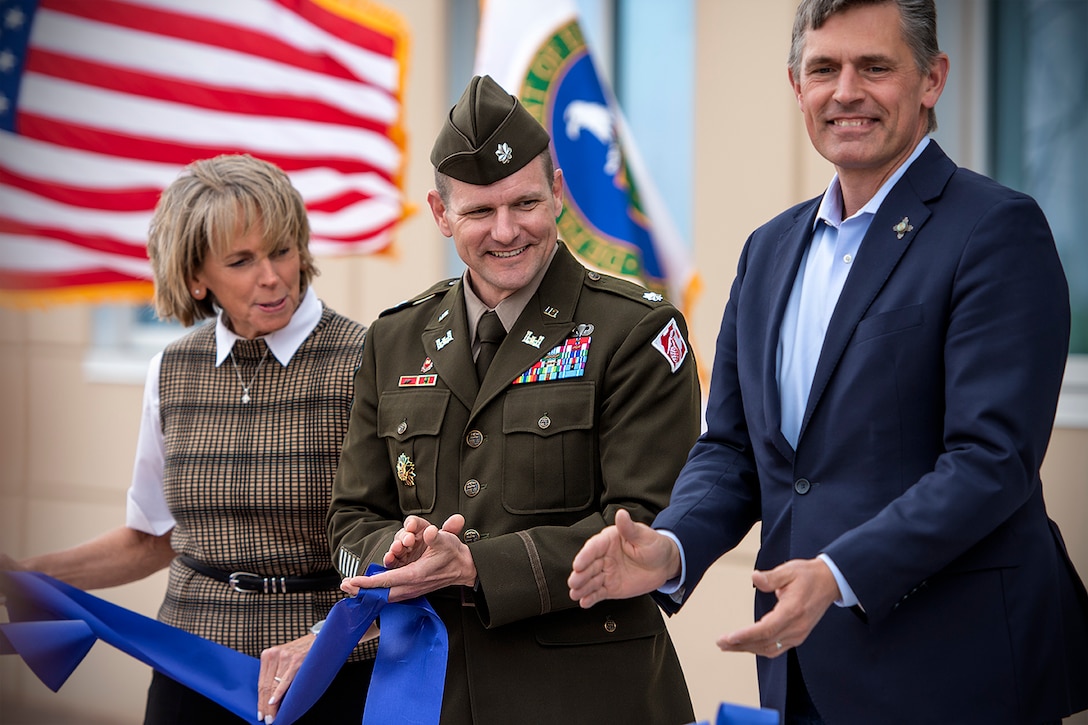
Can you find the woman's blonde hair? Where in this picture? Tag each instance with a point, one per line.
(212, 203)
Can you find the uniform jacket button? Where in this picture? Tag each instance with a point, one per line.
(472, 487)
(475, 439)
(802, 486)
(471, 535)
(609, 625)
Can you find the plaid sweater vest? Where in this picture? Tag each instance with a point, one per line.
(249, 484)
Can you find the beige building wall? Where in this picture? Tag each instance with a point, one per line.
(66, 443)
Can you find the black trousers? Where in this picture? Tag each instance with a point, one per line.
(170, 703)
(800, 709)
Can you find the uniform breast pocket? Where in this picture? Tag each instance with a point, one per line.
(409, 422)
(549, 449)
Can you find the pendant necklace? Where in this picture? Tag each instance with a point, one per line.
(245, 388)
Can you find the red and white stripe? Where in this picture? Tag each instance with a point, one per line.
(117, 96)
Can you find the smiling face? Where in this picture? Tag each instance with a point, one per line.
(864, 99)
(505, 231)
(259, 289)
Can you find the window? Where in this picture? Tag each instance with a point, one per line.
(1039, 117)
(125, 338)
(1039, 143)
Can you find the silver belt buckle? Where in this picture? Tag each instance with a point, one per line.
(233, 581)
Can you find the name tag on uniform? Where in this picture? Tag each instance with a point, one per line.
(410, 381)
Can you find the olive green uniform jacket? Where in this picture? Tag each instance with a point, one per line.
(536, 468)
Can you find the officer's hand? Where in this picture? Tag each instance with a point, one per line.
(445, 561)
(408, 543)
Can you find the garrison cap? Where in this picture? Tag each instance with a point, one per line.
(487, 136)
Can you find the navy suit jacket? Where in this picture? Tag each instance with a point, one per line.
(917, 465)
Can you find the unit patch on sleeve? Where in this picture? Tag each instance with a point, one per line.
(670, 343)
(567, 360)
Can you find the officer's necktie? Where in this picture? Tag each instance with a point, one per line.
(490, 333)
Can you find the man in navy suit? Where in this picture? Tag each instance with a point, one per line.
(883, 392)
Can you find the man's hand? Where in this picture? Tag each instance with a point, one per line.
(279, 665)
(805, 589)
(622, 561)
(408, 544)
(432, 558)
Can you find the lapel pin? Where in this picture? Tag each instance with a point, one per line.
(530, 339)
(653, 296)
(902, 228)
(443, 316)
(551, 312)
(444, 340)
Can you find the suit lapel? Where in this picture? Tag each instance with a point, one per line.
(880, 252)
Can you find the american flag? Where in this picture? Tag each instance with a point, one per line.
(103, 101)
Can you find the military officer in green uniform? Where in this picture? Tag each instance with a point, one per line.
(500, 420)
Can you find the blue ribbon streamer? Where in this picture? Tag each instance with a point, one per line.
(53, 626)
(730, 714)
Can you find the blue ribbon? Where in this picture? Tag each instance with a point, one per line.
(53, 626)
(730, 714)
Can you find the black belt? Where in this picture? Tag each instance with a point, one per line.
(243, 581)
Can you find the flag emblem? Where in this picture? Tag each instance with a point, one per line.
(604, 222)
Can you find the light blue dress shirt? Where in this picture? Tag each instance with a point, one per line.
(820, 278)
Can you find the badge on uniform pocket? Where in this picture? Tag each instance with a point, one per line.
(406, 470)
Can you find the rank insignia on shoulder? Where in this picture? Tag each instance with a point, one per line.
(671, 344)
(653, 296)
(567, 360)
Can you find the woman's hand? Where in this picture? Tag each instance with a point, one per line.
(279, 665)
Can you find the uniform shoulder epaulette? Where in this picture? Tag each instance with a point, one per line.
(624, 288)
(438, 289)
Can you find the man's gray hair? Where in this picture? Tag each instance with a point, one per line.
(918, 23)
